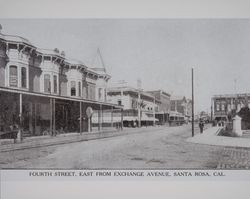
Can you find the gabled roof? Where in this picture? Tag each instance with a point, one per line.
(98, 63)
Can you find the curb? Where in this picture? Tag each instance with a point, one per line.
(66, 140)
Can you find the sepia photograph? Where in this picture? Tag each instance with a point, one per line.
(124, 93)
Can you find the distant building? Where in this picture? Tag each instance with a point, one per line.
(132, 98)
(224, 105)
(164, 107)
(181, 105)
(189, 109)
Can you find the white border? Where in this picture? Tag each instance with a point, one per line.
(125, 9)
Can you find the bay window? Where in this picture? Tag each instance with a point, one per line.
(47, 83)
(23, 77)
(55, 83)
(13, 77)
(73, 88)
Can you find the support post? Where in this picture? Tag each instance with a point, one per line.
(99, 118)
(80, 118)
(154, 112)
(51, 117)
(112, 117)
(121, 119)
(89, 124)
(54, 116)
(19, 135)
(192, 102)
(139, 109)
(211, 109)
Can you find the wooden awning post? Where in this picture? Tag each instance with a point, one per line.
(80, 118)
(112, 117)
(19, 135)
(54, 116)
(121, 119)
(51, 117)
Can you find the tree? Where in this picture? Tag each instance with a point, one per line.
(142, 104)
(244, 113)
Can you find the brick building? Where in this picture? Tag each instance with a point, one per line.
(223, 104)
(182, 105)
(164, 107)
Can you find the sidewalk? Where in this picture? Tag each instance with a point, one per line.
(209, 136)
(43, 141)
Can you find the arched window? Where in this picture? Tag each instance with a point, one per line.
(47, 84)
(24, 77)
(55, 83)
(73, 88)
(13, 79)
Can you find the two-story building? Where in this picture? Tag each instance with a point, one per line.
(223, 105)
(182, 107)
(139, 106)
(164, 107)
(43, 91)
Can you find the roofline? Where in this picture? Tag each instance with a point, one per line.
(13, 90)
(162, 91)
(132, 90)
(231, 95)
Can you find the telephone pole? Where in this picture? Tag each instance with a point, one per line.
(192, 102)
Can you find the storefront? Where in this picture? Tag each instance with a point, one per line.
(35, 114)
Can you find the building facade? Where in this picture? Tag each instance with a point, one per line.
(224, 105)
(182, 105)
(138, 105)
(44, 92)
(164, 107)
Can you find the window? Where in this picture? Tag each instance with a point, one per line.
(84, 92)
(24, 77)
(119, 102)
(223, 107)
(105, 95)
(13, 76)
(99, 93)
(46, 58)
(217, 107)
(47, 83)
(55, 83)
(79, 89)
(73, 88)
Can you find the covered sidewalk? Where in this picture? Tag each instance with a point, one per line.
(40, 114)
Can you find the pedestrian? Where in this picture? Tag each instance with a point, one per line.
(201, 125)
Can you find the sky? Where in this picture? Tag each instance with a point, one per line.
(159, 52)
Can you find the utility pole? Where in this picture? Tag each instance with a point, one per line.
(139, 102)
(139, 109)
(154, 111)
(192, 102)
(211, 118)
